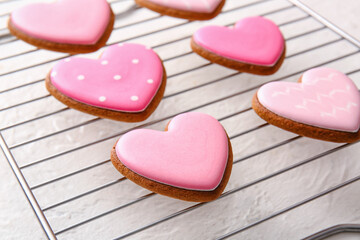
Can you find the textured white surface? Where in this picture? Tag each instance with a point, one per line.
(343, 13)
(64, 154)
(17, 219)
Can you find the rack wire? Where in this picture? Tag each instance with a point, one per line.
(61, 157)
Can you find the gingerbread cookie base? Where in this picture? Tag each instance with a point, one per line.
(175, 192)
(108, 113)
(236, 65)
(64, 47)
(303, 129)
(180, 13)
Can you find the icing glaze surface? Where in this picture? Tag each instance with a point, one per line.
(325, 98)
(125, 78)
(192, 154)
(64, 21)
(201, 6)
(253, 40)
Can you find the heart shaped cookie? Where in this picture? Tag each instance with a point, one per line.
(125, 84)
(191, 160)
(324, 105)
(254, 45)
(188, 9)
(66, 25)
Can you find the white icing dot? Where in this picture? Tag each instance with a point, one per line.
(67, 60)
(121, 44)
(81, 77)
(53, 74)
(104, 62)
(102, 99)
(150, 81)
(134, 98)
(117, 77)
(135, 61)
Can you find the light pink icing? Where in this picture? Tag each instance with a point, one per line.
(201, 6)
(64, 21)
(326, 98)
(253, 40)
(192, 154)
(125, 78)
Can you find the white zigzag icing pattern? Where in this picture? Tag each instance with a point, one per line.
(288, 90)
(301, 87)
(334, 110)
(319, 96)
(329, 78)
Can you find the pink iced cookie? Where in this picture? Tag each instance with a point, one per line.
(65, 25)
(191, 160)
(325, 105)
(188, 9)
(253, 45)
(126, 83)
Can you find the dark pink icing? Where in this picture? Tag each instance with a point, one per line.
(253, 40)
(125, 78)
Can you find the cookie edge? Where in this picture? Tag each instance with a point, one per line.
(171, 191)
(108, 113)
(64, 47)
(180, 13)
(237, 65)
(302, 129)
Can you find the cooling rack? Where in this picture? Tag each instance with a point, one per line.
(283, 186)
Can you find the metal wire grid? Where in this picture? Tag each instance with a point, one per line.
(54, 193)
